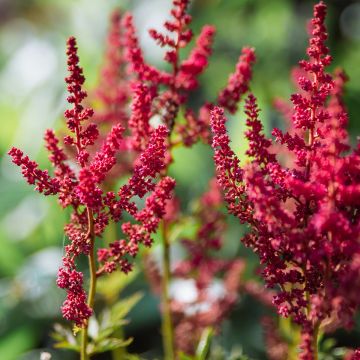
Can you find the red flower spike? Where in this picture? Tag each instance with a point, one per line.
(229, 172)
(33, 175)
(135, 57)
(113, 90)
(105, 159)
(148, 218)
(258, 143)
(83, 190)
(197, 60)
(238, 83)
(302, 222)
(174, 87)
(78, 114)
(139, 122)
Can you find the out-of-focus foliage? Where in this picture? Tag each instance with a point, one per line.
(102, 331)
(32, 68)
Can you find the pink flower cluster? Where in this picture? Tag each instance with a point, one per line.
(208, 239)
(204, 268)
(87, 165)
(303, 218)
(298, 192)
(172, 89)
(113, 91)
(93, 207)
(75, 307)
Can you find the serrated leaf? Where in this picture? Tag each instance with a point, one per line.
(62, 334)
(109, 330)
(111, 285)
(66, 345)
(109, 345)
(123, 307)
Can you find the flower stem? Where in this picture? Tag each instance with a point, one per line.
(315, 341)
(92, 289)
(167, 324)
(109, 237)
(84, 342)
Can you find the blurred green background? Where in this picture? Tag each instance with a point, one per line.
(32, 98)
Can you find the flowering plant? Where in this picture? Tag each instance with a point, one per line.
(298, 194)
(93, 207)
(303, 217)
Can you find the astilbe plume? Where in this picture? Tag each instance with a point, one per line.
(196, 126)
(303, 219)
(113, 93)
(238, 83)
(160, 95)
(183, 75)
(93, 208)
(119, 99)
(174, 87)
(112, 97)
(216, 281)
(208, 239)
(139, 122)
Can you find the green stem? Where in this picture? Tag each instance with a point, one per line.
(118, 353)
(167, 324)
(291, 334)
(315, 341)
(92, 289)
(315, 336)
(84, 336)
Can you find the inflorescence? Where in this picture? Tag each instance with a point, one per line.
(303, 217)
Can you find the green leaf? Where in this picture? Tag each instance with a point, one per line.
(108, 344)
(183, 356)
(64, 338)
(123, 307)
(328, 344)
(109, 330)
(66, 345)
(111, 285)
(203, 348)
(107, 336)
(185, 230)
